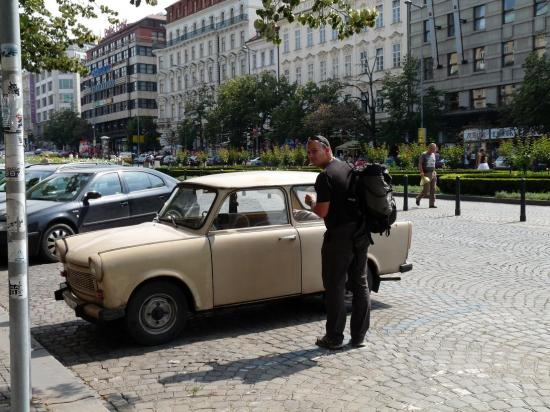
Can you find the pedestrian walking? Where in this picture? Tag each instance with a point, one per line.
(344, 250)
(428, 176)
(481, 162)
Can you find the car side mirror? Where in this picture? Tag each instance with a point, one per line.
(90, 195)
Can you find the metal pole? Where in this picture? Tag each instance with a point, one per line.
(422, 86)
(522, 217)
(138, 135)
(406, 192)
(457, 196)
(16, 216)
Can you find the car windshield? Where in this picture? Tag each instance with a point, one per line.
(31, 178)
(61, 187)
(188, 206)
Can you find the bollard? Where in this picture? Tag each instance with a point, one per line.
(522, 217)
(457, 196)
(406, 192)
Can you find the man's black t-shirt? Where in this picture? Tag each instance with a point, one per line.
(332, 186)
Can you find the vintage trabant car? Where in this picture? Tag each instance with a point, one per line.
(219, 240)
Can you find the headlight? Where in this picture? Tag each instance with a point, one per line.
(96, 267)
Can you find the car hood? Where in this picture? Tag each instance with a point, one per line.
(81, 247)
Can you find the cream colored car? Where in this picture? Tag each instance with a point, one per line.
(219, 240)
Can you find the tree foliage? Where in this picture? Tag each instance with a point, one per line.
(147, 128)
(66, 128)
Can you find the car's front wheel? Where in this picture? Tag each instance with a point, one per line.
(156, 313)
(54, 232)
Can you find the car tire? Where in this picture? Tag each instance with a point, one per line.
(51, 234)
(156, 313)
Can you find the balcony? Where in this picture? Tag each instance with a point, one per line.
(207, 29)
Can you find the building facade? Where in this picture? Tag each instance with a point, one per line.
(204, 45)
(473, 51)
(122, 80)
(53, 91)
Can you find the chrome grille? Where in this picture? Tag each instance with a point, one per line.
(81, 281)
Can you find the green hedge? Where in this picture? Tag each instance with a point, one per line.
(488, 186)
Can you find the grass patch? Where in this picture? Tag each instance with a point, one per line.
(528, 195)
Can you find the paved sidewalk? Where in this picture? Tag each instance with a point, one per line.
(55, 388)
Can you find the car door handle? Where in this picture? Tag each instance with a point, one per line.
(289, 237)
(125, 203)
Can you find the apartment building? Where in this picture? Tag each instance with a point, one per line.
(122, 80)
(204, 45)
(473, 51)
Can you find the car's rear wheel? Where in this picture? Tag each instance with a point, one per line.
(156, 313)
(54, 232)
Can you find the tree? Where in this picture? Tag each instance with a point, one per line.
(401, 96)
(66, 128)
(197, 106)
(147, 128)
(531, 104)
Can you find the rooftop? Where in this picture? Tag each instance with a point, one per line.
(255, 178)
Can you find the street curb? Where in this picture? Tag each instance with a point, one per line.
(55, 386)
(469, 198)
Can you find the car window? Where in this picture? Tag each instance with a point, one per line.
(300, 211)
(137, 181)
(107, 185)
(60, 187)
(31, 178)
(252, 208)
(189, 206)
(155, 180)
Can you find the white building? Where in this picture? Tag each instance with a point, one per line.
(55, 90)
(318, 55)
(204, 45)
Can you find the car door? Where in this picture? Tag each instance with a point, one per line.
(255, 249)
(110, 210)
(146, 195)
(311, 230)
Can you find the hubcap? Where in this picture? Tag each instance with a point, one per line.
(158, 314)
(54, 235)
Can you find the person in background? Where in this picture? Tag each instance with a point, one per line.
(481, 162)
(428, 176)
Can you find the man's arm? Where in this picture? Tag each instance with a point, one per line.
(320, 209)
(420, 169)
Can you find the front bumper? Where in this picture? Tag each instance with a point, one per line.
(87, 310)
(405, 267)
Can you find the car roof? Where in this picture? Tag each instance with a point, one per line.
(237, 180)
(98, 169)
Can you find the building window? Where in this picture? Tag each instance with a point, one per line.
(479, 98)
(286, 43)
(210, 47)
(50, 86)
(201, 50)
(426, 31)
(428, 68)
(179, 83)
(232, 41)
(185, 56)
(222, 45)
(233, 70)
(506, 94)
(539, 44)
(541, 7)
(452, 64)
(310, 72)
(379, 60)
(364, 57)
(224, 72)
(210, 74)
(508, 13)
(335, 64)
(479, 59)
(334, 34)
(254, 61)
(396, 54)
(508, 53)
(323, 70)
(262, 59)
(64, 84)
(379, 102)
(379, 16)
(297, 39)
(271, 57)
(322, 34)
(347, 65)
(396, 11)
(243, 66)
(309, 38)
(193, 50)
(479, 18)
(50, 99)
(171, 60)
(178, 58)
(450, 25)
(451, 101)
(172, 89)
(298, 75)
(242, 37)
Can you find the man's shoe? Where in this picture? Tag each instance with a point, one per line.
(327, 343)
(433, 206)
(357, 343)
(417, 202)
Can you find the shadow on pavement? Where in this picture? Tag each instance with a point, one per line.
(76, 342)
(254, 370)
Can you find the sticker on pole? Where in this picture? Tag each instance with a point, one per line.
(18, 287)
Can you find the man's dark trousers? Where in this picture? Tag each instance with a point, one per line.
(343, 254)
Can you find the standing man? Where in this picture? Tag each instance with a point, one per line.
(343, 252)
(428, 176)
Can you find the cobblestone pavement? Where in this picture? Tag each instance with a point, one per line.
(468, 329)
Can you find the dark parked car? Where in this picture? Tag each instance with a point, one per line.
(76, 200)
